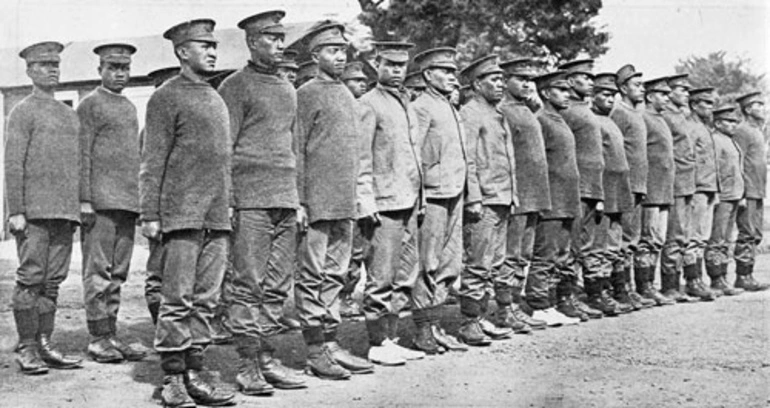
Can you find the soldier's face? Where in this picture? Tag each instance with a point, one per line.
(727, 126)
(390, 73)
(200, 56)
(520, 87)
(267, 48)
(490, 87)
(331, 59)
(442, 79)
(582, 84)
(44, 74)
(756, 110)
(679, 96)
(557, 97)
(115, 75)
(703, 109)
(288, 74)
(658, 100)
(604, 99)
(356, 86)
(633, 89)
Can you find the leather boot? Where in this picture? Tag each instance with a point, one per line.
(289, 323)
(27, 327)
(204, 393)
(321, 364)
(391, 334)
(619, 289)
(250, 380)
(494, 331)
(101, 350)
(714, 273)
(695, 286)
(424, 340)
(52, 357)
(720, 285)
(174, 394)
(671, 289)
(471, 334)
(504, 317)
(566, 303)
(599, 299)
(446, 341)
(744, 279)
(636, 298)
(128, 352)
(275, 372)
(354, 364)
(646, 289)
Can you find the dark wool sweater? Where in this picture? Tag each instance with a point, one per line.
(184, 181)
(631, 123)
(660, 160)
(563, 175)
(42, 159)
(750, 139)
(529, 151)
(684, 151)
(705, 156)
(588, 144)
(109, 142)
(262, 111)
(617, 182)
(327, 140)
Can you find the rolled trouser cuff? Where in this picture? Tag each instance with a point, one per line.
(421, 315)
(26, 297)
(99, 328)
(172, 362)
(741, 269)
(313, 335)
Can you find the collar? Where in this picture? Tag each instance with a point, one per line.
(262, 68)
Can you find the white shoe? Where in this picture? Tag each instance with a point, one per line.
(565, 320)
(548, 317)
(386, 354)
(407, 354)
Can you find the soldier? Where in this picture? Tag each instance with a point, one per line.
(414, 83)
(307, 71)
(355, 80)
(444, 171)
(701, 103)
(109, 181)
(552, 259)
(660, 188)
(490, 194)
(590, 159)
(153, 282)
(287, 66)
(532, 185)
(389, 201)
(678, 255)
(616, 184)
(732, 191)
(184, 185)
(750, 139)
(44, 206)
(629, 119)
(327, 140)
(262, 109)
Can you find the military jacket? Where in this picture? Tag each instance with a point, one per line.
(588, 144)
(684, 152)
(730, 162)
(390, 172)
(706, 169)
(660, 160)
(563, 176)
(617, 182)
(632, 124)
(752, 143)
(491, 161)
(442, 145)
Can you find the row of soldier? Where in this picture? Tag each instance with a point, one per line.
(540, 182)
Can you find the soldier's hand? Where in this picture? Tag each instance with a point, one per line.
(87, 215)
(17, 224)
(368, 223)
(151, 229)
(302, 222)
(474, 211)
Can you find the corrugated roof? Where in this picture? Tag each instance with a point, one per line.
(79, 63)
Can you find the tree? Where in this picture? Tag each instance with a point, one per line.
(554, 30)
(731, 77)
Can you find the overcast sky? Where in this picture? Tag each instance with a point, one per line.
(652, 34)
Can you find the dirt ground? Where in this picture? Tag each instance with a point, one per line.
(690, 355)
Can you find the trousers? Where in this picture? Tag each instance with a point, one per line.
(718, 248)
(653, 235)
(749, 220)
(484, 241)
(552, 261)
(678, 250)
(702, 220)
